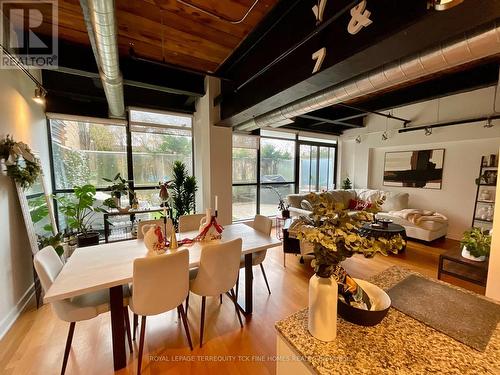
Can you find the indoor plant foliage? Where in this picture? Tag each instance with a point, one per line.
(346, 184)
(477, 242)
(80, 211)
(119, 186)
(334, 234)
(21, 164)
(183, 188)
(282, 204)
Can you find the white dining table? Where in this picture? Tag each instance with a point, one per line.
(109, 266)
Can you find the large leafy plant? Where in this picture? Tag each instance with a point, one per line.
(79, 209)
(334, 234)
(184, 188)
(478, 243)
(118, 185)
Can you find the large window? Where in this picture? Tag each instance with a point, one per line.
(280, 162)
(86, 150)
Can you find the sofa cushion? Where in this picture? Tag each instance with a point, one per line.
(342, 196)
(395, 201)
(369, 195)
(359, 205)
(294, 200)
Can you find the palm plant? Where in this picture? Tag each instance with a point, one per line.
(184, 188)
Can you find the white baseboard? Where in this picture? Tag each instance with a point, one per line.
(16, 311)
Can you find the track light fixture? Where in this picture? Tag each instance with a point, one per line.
(39, 96)
(358, 139)
(384, 136)
(444, 4)
(489, 123)
(428, 131)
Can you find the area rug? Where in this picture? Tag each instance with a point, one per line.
(465, 317)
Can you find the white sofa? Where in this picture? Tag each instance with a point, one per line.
(426, 231)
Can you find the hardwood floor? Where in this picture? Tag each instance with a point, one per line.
(35, 344)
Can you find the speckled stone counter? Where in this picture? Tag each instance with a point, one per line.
(399, 345)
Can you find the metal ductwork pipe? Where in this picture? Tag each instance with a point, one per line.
(102, 29)
(467, 49)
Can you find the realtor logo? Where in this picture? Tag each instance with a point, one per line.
(28, 33)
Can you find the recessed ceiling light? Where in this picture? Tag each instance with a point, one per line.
(446, 4)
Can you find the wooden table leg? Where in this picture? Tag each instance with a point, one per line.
(117, 327)
(248, 308)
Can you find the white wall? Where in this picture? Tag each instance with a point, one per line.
(213, 155)
(464, 145)
(21, 117)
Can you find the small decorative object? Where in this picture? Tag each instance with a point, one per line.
(283, 206)
(80, 212)
(401, 169)
(21, 163)
(118, 188)
(385, 222)
(484, 161)
(154, 240)
(493, 160)
(173, 241)
(135, 202)
(485, 195)
(476, 244)
(346, 184)
(210, 229)
(335, 236)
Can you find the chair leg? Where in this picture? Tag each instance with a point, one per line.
(220, 298)
(284, 260)
(237, 284)
(202, 324)
(187, 304)
(68, 346)
(233, 297)
(180, 309)
(127, 328)
(265, 277)
(141, 345)
(136, 324)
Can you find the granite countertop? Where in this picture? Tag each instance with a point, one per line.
(398, 345)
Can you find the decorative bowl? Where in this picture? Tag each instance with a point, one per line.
(380, 304)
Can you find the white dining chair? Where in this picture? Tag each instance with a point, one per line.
(87, 306)
(145, 223)
(188, 223)
(160, 284)
(262, 224)
(216, 274)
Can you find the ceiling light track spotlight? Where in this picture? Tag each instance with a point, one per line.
(443, 4)
(428, 131)
(358, 139)
(39, 95)
(489, 123)
(385, 137)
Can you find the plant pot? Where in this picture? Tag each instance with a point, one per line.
(117, 201)
(467, 255)
(285, 214)
(381, 303)
(322, 315)
(89, 239)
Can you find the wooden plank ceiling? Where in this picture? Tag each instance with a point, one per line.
(168, 31)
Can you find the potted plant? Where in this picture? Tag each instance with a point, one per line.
(283, 206)
(476, 244)
(55, 241)
(183, 188)
(334, 235)
(118, 188)
(79, 212)
(346, 184)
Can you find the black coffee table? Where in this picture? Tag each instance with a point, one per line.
(388, 230)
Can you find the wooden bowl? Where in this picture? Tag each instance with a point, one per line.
(380, 303)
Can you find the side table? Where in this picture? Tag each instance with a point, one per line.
(452, 263)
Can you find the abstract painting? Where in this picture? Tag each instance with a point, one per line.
(418, 169)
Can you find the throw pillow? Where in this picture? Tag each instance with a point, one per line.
(359, 205)
(306, 205)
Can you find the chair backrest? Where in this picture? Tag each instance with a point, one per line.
(218, 269)
(263, 224)
(160, 283)
(47, 265)
(188, 223)
(144, 223)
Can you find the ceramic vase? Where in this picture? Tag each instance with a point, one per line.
(467, 255)
(322, 318)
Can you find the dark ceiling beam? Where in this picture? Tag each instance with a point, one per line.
(78, 59)
(336, 122)
(399, 29)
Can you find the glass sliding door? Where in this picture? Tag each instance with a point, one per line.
(316, 167)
